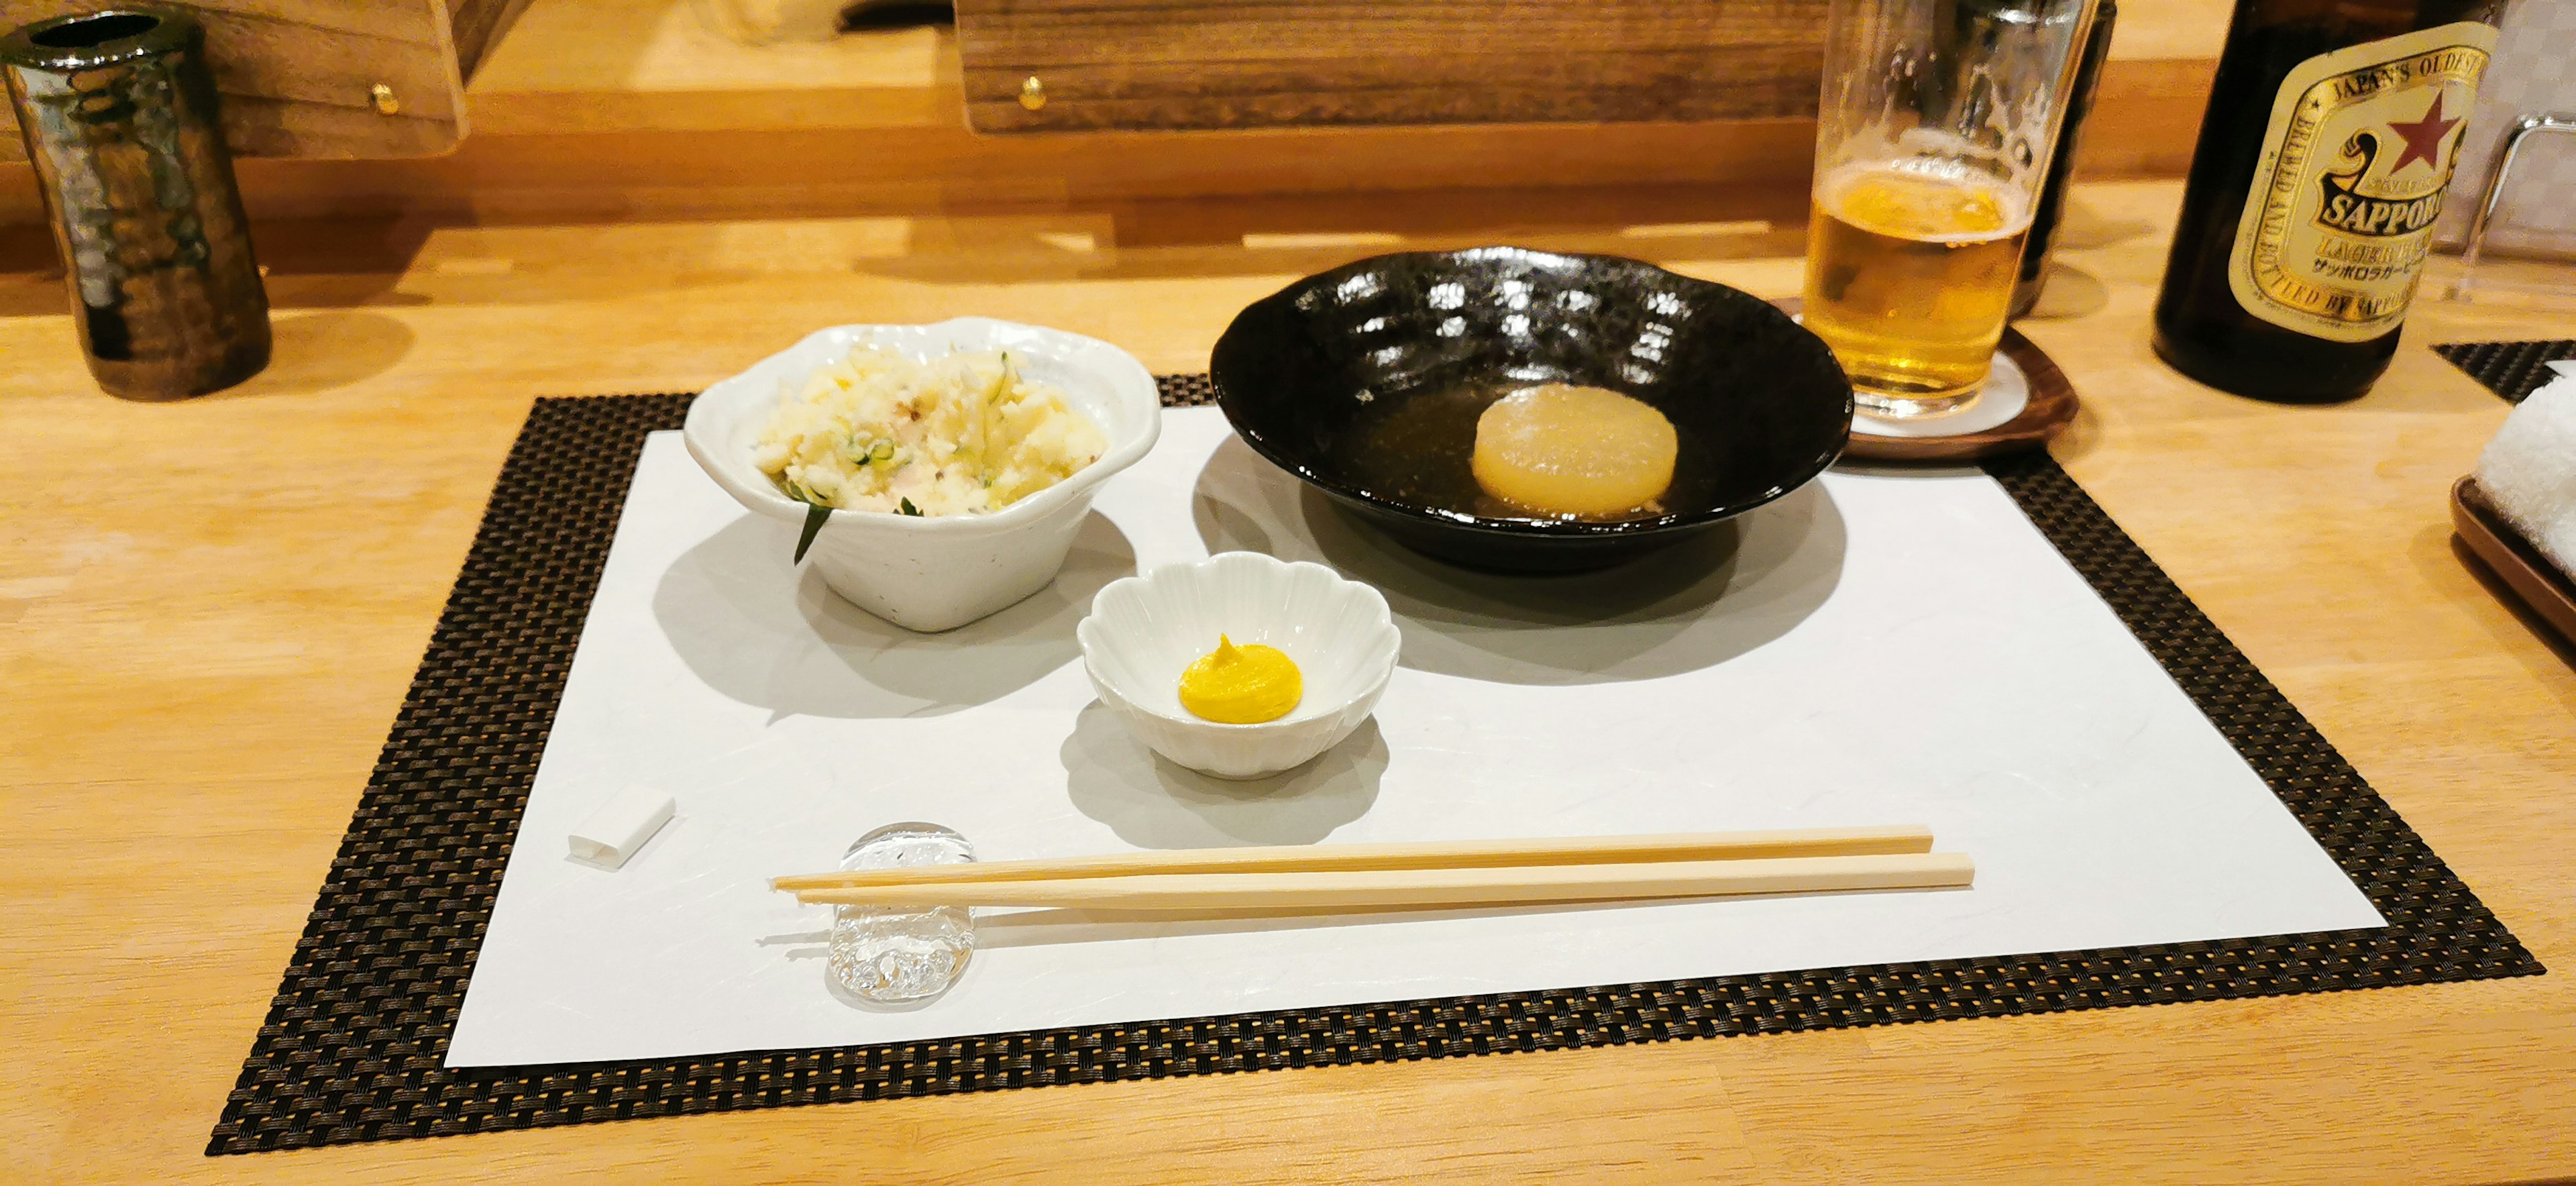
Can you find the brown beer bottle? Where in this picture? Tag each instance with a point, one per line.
(2332, 131)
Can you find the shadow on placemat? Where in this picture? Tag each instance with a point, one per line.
(354, 1044)
(734, 597)
(1656, 616)
(2511, 369)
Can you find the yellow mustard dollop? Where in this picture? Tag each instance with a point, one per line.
(1242, 685)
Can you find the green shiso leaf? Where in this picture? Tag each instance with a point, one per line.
(905, 506)
(815, 516)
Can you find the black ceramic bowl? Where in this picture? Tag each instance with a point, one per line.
(1305, 373)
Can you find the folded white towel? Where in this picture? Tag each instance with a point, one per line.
(2529, 470)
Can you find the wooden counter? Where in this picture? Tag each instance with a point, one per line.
(593, 110)
(209, 612)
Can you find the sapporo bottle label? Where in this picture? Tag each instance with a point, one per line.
(2356, 160)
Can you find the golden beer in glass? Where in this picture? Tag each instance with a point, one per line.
(1909, 273)
(1931, 145)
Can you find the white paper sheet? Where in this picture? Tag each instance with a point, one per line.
(1877, 649)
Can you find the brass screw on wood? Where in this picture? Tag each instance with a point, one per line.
(386, 103)
(1032, 93)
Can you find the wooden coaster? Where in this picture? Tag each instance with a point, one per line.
(2052, 406)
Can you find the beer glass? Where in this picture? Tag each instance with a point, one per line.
(1932, 140)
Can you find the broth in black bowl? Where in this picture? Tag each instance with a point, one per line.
(1366, 381)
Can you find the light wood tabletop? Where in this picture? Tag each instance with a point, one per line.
(209, 612)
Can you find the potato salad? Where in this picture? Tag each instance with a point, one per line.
(962, 434)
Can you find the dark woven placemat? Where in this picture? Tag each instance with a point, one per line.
(2511, 369)
(352, 1047)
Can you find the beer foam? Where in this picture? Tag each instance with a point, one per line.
(1903, 194)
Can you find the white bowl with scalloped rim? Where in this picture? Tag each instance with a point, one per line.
(935, 573)
(1144, 631)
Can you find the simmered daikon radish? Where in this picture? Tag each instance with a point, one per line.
(1579, 452)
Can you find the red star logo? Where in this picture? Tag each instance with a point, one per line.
(2423, 137)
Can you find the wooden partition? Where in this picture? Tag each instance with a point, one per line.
(1063, 65)
(627, 110)
(300, 78)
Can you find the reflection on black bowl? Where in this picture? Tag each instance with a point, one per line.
(1312, 372)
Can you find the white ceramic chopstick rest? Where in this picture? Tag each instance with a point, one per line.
(616, 829)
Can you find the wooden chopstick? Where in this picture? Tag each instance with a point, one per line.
(1496, 885)
(1684, 846)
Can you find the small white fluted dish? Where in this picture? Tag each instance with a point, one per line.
(1144, 631)
(936, 573)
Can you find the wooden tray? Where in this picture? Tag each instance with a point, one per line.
(2529, 574)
